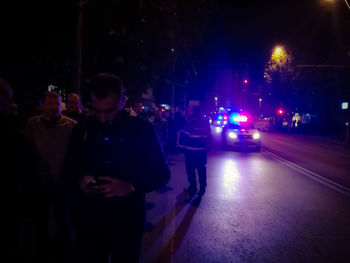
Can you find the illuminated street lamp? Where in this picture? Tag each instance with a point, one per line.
(260, 100)
(278, 51)
(333, 1)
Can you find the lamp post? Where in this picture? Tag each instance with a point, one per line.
(260, 100)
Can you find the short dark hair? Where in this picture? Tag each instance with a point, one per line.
(104, 84)
(51, 94)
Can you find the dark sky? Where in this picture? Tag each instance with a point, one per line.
(312, 32)
(241, 32)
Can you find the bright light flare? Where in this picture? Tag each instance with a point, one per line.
(232, 135)
(278, 51)
(256, 136)
(243, 118)
(218, 129)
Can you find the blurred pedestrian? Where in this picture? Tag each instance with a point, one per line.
(50, 133)
(74, 108)
(18, 177)
(114, 159)
(195, 138)
(160, 123)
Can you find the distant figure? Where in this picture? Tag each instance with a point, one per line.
(195, 138)
(113, 160)
(73, 108)
(18, 176)
(160, 123)
(50, 133)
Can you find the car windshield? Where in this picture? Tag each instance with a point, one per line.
(248, 125)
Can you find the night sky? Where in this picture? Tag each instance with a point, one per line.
(236, 31)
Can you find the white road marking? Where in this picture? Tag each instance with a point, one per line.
(327, 182)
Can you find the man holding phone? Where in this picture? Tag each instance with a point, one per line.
(114, 160)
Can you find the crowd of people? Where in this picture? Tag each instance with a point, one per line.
(81, 176)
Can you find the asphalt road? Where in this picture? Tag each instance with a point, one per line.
(257, 208)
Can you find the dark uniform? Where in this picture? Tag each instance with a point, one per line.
(126, 149)
(195, 139)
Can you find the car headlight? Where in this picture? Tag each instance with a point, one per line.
(218, 129)
(232, 135)
(256, 136)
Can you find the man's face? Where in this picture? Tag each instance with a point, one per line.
(51, 107)
(73, 103)
(137, 107)
(105, 109)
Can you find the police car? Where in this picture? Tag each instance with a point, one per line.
(240, 134)
(219, 120)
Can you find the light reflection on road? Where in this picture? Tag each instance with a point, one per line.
(230, 178)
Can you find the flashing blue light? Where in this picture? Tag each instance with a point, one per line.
(106, 138)
(234, 117)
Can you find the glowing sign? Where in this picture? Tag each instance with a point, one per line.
(345, 106)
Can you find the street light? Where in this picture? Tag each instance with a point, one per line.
(278, 51)
(333, 1)
(260, 100)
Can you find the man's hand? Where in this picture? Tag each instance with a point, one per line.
(85, 184)
(115, 187)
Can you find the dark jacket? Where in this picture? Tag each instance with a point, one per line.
(196, 135)
(19, 168)
(126, 149)
(51, 141)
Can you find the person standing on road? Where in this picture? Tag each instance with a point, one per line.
(113, 161)
(50, 133)
(195, 138)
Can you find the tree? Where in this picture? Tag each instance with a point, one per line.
(279, 75)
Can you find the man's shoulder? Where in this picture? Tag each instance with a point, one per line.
(138, 122)
(66, 121)
(34, 119)
(34, 122)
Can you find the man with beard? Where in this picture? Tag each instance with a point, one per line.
(50, 133)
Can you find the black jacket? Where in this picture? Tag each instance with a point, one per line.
(196, 135)
(126, 149)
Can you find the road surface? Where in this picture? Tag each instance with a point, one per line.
(258, 208)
